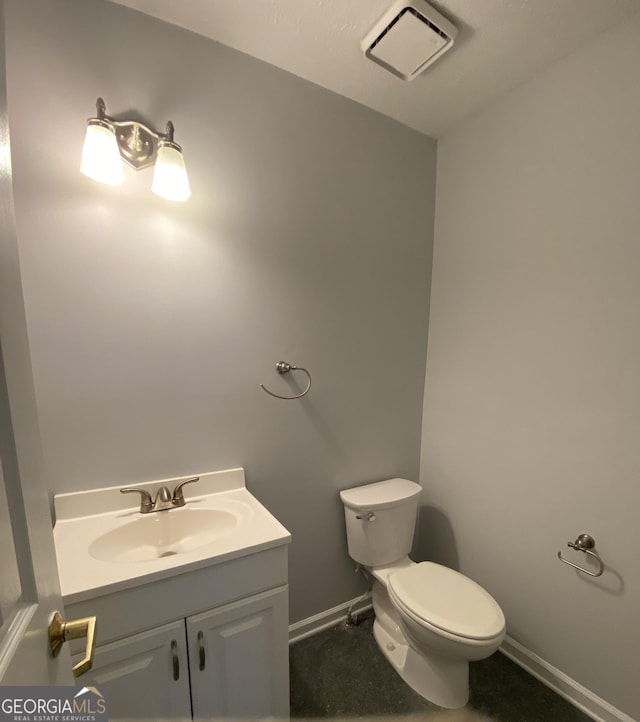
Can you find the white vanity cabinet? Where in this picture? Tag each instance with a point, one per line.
(237, 665)
(211, 643)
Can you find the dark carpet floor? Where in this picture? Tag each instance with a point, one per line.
(341, 673)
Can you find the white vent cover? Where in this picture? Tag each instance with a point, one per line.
(408, 38)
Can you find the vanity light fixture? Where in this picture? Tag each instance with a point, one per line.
(109, 141)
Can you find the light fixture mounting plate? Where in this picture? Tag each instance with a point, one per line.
(138, 144)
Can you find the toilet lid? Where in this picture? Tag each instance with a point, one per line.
(380, 494)
(448, 600)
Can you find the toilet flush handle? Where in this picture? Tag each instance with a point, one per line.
(367, 516)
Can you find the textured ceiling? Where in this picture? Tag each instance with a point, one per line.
(500, 44)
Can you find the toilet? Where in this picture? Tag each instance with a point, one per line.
(430, 621)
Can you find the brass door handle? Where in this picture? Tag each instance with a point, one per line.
(61, 632)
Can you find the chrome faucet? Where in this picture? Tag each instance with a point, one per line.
(164, 500)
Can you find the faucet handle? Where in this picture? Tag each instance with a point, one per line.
(178, 495)
(146, 502)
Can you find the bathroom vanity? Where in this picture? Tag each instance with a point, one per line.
(192, 607)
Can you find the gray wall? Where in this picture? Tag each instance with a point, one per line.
(532, 401)
(308, 238)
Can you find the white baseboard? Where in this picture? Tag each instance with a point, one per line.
(579, 696)
(329, 618)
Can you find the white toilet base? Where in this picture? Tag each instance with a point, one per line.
(440, 680)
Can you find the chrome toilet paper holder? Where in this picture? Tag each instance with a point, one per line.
(584, 543)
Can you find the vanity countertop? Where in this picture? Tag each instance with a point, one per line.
(104, 544)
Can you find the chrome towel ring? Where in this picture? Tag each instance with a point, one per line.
(584, 543)
(282, 367)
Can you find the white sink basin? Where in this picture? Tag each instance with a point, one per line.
(104, 544)
(163, 534)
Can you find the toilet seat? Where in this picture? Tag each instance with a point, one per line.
(445, 600)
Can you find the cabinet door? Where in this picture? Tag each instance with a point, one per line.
(145, 675)
(239, 658)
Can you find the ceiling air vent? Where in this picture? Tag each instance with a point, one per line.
(409, 37)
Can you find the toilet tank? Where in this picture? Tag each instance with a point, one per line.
(387, 535)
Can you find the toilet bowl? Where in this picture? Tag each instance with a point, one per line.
(431, 621)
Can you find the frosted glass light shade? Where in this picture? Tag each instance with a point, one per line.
(170, 178)
(100, 155)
